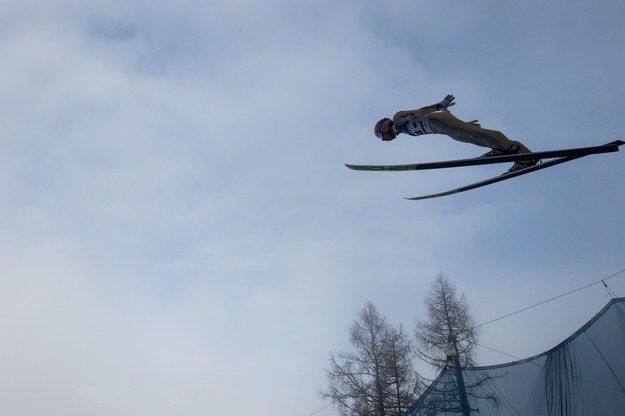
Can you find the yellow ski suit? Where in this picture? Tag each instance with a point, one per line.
(431, 120)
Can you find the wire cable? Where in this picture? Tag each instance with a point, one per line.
(323, 408)
(600, 281)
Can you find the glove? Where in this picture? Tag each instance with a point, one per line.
(448, 101)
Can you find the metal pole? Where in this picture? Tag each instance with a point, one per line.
(464, 403)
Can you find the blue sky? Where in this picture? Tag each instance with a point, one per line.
(178, 232)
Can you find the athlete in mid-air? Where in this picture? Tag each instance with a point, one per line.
(436, 119)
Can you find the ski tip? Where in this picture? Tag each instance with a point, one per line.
(421, 198)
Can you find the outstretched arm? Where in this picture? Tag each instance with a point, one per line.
(442, 105)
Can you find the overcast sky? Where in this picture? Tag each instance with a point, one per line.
(178, 232)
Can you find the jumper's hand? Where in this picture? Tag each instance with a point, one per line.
(448, 101)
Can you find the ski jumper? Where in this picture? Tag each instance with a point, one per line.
(431, 120)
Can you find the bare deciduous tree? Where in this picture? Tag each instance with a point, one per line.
(377, 378)
(447, 341)
(449, 329)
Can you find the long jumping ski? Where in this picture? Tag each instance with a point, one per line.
(581, 151)
(499, 178)
(557, 156)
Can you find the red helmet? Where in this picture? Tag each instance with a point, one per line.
(384, 129)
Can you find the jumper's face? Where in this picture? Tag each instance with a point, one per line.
(384, 130)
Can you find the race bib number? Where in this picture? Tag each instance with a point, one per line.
(417, 126)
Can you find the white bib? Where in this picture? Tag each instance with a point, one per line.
(416, 126)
